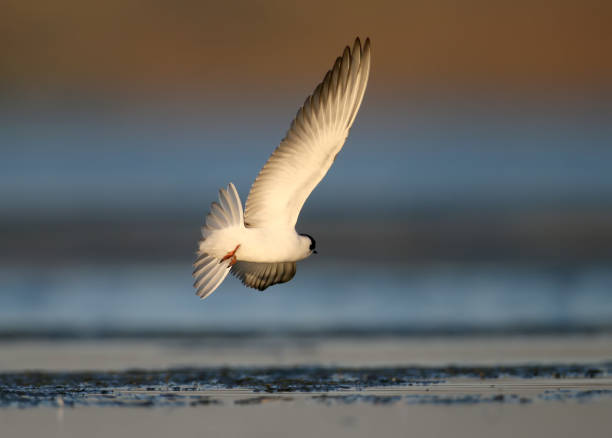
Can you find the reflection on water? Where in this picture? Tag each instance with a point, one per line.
(334, 296)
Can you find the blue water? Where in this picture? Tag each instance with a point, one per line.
(77, 167)
(319, 297)
(394, 157)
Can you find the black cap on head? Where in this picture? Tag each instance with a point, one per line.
(313, 243)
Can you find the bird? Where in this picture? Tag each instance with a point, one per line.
(260, 245)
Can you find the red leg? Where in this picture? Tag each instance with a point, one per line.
(231, 255)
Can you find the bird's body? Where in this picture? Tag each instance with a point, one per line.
(260, 245)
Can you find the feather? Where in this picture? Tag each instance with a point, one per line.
(209, 272)
(314, 139)
(262, 275)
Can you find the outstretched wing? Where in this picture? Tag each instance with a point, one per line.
(308, 150)
(261, 275)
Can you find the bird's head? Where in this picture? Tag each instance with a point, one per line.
(309, 242)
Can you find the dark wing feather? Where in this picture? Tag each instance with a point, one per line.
(261, 275)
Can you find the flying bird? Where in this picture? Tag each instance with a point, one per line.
(260, 245)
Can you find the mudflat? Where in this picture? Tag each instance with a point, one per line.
(276, 386)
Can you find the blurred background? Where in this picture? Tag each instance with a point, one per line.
(474, 191)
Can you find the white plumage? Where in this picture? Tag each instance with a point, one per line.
(261, 246)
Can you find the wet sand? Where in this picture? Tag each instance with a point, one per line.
(278, 350)
(301, 416)
(276, 386)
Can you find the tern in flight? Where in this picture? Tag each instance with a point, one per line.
(260, 245)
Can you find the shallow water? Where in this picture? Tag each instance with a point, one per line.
(356, 296)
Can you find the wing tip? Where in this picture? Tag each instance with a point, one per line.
(362, 46)
(367, 47)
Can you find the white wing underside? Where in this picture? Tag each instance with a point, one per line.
(314, 139)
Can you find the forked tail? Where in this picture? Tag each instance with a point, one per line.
(209, 272)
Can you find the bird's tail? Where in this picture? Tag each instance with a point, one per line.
(209, 271)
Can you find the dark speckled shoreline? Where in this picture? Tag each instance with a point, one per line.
(190, 386)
